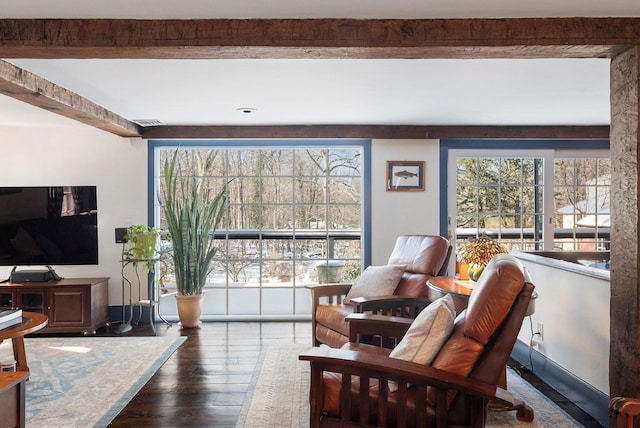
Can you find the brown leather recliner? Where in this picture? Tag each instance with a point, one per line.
(425, 256)
(467, 372)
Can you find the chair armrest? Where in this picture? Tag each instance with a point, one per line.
(623, 411)
(397, 369)
(328, 293)
(391, 305)
(328, 290)
(381, 326)
(366, 367)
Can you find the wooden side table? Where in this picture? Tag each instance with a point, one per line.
(460, 290)
(31, 322)
(12, 396)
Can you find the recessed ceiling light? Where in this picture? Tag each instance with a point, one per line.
(247, 110)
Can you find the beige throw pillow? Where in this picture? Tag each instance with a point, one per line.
(426, 335)
(376, 281)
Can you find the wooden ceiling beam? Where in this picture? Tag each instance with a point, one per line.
(378, 132)
(317, 38)
(297, 38)
(22, 85)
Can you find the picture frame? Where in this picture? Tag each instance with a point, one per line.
(405, 176)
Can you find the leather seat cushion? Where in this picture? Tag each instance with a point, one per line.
(332, 316)
(330, 338)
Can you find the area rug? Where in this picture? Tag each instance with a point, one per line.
(86, 381)
(278, 396)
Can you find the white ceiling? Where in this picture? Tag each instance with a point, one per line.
(308, 91)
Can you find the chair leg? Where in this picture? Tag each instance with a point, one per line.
(525, 413)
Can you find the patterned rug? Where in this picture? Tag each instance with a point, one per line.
(86, 381)
(280, 386)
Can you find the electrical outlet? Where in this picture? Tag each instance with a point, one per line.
(540, 331)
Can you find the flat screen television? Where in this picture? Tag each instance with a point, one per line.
(48, 226)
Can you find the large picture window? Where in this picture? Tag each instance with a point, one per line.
(531, 200)
(290, 208)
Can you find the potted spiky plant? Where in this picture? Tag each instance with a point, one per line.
(193, 210)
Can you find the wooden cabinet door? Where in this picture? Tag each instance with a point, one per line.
(7, 300)
(68, 307)
(32, 300)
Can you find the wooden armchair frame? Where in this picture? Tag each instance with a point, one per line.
(388, 329)
(354, 379)
(624, 412)
(331, 293)
(399, 306)
(369, 367)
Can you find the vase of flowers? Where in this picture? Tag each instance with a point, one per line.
(477, 254)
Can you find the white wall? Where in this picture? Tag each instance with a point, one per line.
(574, 311)
(81, 155)
(403, 213)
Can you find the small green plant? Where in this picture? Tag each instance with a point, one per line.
(142, 245)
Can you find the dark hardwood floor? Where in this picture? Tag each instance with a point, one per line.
(204, 383)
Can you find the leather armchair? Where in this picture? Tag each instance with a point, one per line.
(424, 255)
(349, 386)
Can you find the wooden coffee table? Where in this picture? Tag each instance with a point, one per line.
(31, 322)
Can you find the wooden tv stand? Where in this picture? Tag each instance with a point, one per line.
(73, 305)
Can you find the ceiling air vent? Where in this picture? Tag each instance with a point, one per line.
(147, 122)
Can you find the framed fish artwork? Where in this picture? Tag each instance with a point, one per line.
(405, 176)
